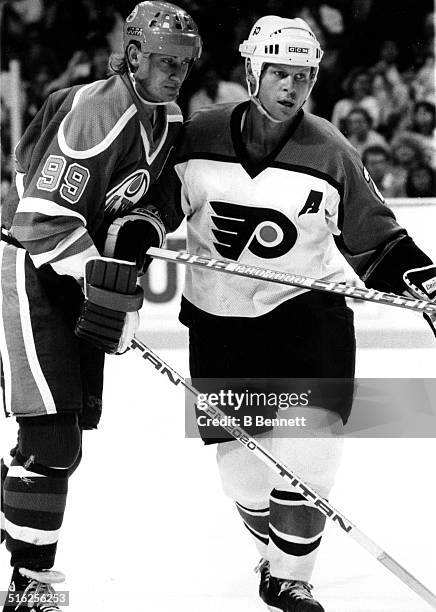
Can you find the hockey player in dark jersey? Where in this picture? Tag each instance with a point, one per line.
(266, 184)
(84, 164)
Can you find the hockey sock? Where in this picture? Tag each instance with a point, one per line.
(256, 520)
(295, 531)
(34, 505)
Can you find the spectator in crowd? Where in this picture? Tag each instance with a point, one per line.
(34, 91)
(393, 102)
(424, 84)
(215, 90)
(17, 19)
(86, 65)
(424, 118)
(358, 130)
(407, 152)
(69, 22)
(422, 124)
(388, 62)
(390, 183)
(421, 182)
(38, 54)
(358, 94)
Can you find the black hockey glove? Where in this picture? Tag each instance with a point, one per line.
(422, 284)
(130, 237)
(109, 316)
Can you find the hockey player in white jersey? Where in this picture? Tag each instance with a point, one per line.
(84, 164)
(266, 184)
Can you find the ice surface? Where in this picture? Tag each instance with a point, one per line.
(147, 527)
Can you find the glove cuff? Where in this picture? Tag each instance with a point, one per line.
(422, 281)
(116, 301)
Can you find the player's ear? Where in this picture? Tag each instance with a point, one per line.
(251, 79)
(133, 56)
(250, 76)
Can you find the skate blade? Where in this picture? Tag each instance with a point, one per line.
(48, 577)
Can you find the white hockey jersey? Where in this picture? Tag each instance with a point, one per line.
(291, 212)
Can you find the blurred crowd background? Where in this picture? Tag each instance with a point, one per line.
(376, 81)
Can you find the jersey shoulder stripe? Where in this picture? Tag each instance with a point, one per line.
(91, 125)
(174, 114)
(319, 149)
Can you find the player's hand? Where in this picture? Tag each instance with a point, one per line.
(109, 316)
(130, 237)
(421, 283)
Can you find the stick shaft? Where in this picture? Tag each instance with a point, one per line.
(293, 280)
(304, 489)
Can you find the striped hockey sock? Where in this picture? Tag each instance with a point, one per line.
(256, 520)
(295, 531)
(34, 505)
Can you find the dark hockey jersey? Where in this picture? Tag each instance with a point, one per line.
(291, 212)
(86, 158)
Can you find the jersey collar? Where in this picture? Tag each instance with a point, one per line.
(253, 169)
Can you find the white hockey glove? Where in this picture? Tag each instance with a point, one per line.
(422, 284)
(109, 316)
(130, 237)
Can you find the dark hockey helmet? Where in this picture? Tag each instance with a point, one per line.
(161, 27)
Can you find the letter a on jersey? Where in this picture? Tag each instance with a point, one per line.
(266, 233)
(312, 204)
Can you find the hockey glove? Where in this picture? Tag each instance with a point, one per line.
(130, 237)
(422, 284)
(109, 316)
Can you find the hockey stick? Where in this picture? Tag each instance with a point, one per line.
(294, 280)
(305, 490)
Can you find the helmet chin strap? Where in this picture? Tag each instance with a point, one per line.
(260, 107)
(147, 102)
(263, 110)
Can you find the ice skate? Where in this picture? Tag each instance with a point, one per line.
(282, 595)
(32, 591)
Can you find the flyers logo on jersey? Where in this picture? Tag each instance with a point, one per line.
(266, 233)
(126, 194)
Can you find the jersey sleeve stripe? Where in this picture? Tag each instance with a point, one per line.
(64, 247)
(32, 230)
(103, 145)
(19, 183)
(46, 207)
(82, 243)
(75, 265)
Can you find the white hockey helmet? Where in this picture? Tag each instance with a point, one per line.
(276, 40)
(161, 27)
